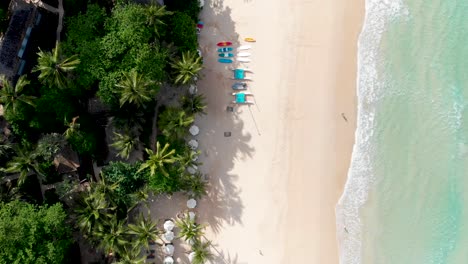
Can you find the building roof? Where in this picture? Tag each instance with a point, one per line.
(12, 41)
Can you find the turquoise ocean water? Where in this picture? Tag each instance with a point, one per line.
(406, 199)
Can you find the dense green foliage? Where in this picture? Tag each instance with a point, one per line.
(183, 33)
(121, 53)
(127, 176)
(30, 234)
(111, 46)
(83, 38)
(3, 20)
(189, 7)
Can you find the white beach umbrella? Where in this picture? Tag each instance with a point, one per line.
(193, 144)
(191, 216)
(192, 169)
(169, 236)
(191, 256)
(194, 130)
(193, 89)
(169, 225)
(168, 260)
(195, 156)
(191, 203)
(169, 249)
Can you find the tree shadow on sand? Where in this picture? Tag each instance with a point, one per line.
(219, 152)
(223, 205)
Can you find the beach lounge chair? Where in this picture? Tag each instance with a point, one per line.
(243, 98)
(239, 74)
(239, 86)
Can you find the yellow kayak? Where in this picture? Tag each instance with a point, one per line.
(250, 39)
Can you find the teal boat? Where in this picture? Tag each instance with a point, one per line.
(225, 49)
(226, 55)
(225, 60)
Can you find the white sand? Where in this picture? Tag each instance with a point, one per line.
(276, 180)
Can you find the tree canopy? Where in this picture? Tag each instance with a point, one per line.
(30, 234)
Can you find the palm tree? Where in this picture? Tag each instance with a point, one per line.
(194, 104)
(54, 67)
(5, 148)
(145, 230)
(24, 163)
(135, 89)
(72, 127)
(11, 96)
(188, 158)
(202, 252)
(125, 144)
(194, 185)
(9, 193)
(174, 122)
(92, 210)
(187, 68)
(111, 235)
(140, 196)
(189, 230)
(108, 190)
(131, 255)
(154, 12)
(158, 159)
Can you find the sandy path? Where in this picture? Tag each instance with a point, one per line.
(276, 180)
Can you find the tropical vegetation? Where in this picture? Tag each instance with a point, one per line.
(33, 234)
(97, 98)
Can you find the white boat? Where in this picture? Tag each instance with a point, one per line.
(244, 47)
(243, 54)
(244, 59)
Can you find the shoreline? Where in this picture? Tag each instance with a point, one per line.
(274, 201)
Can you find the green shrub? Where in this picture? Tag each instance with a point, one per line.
(183, 33)
(126, 175)
(35, 234)
(189, 7)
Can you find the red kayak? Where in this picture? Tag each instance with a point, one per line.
(224, 44)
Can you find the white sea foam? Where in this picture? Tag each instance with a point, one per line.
(369, 89)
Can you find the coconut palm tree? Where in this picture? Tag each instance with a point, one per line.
(5, 148)
(202, 252)
(140, 196)
(125, 144)
(111, 235)
(108, 190)
(144, 230)
(131, 255)
(8, 193)
(24, 163)
(194, 185)
(158, 159)
(11, 96)
(53, 67)
(189, 230)
(174, 122)
(154, 13)
(72, 127)
(135, 89)
(188, 158)
(194, 104)
(187, 67)
(92, 210)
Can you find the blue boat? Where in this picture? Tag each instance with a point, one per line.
(225, 60)
(224, 49)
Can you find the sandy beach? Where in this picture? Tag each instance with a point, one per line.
(275, 180)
